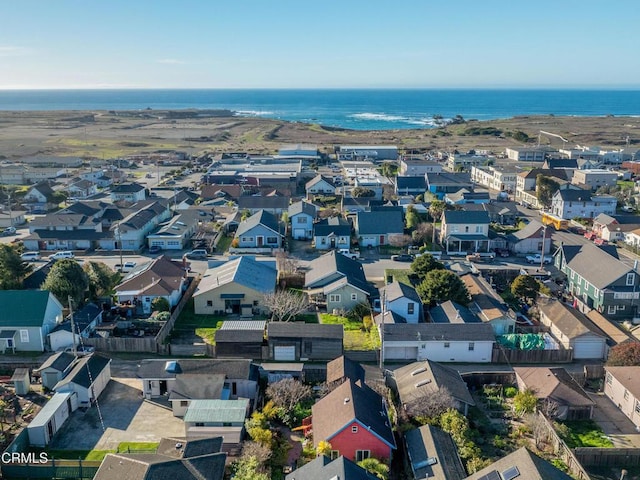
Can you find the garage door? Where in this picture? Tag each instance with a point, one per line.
(284, 353)
(588, 349)
(400, 353)
(298, 233)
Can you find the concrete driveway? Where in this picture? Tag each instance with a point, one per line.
(613, 422)
(126, 416)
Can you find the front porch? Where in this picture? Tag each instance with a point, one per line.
(463, 245)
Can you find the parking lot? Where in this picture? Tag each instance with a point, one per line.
(126, 417)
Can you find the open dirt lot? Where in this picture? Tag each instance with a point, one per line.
(104, 135)
(127, 418)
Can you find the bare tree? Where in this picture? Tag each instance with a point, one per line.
(286, 264)
(255, 449)
(399, 240)
(539, 428)
(430, 405)
(288, 392)
(550, 408)
(422, 233)
(285, 305)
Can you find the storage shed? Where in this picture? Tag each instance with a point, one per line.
(21, 381)
(51, 418)
(240, 339)
(294, 341)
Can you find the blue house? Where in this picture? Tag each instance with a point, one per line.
(439, 184)
(260, 230)
(301, 215)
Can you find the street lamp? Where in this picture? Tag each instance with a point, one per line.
(119, 238)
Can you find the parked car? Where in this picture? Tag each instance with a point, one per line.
(30, 256)
(81, 350)
(347, 253)
(403, 257)
(155, 249)
(537, 258)
(126, 268)
(62, 255)
(197, 254)
(501, 252)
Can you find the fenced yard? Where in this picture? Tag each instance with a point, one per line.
(356, 335)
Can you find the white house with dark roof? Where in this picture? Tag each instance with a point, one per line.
(87, 378)
(128, 192)
(622, 386)
(175, 233)
(402, 300)
(54, 369)
(236, 287)
(84, 322)
(302, 215)
(530, 239)
(260, 230)
(332, 232)
(569, 203)
(320, 185)
(465, 231)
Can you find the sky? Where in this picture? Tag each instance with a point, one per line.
(327, 44)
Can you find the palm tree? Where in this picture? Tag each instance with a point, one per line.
(436, 209)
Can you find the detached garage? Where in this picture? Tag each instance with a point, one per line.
(574, 330)
(295, 341)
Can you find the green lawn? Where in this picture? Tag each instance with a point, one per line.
(398, 275)
(361, 340)
(137, 446)
(585, 433)
(625, 183)
(338, 320)
(205, 326)
(223, 244)
(92, 455)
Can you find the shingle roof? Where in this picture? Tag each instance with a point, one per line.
(466, 332)
(553, 384)
(629, 377)
(161, 276)
(422, 379)
(396, 290)
(451, 312)
(23, 308)
(411, 183)
(532, 229)
(574, 195)
(485, 301)
(444, 178)
(569, 321)
(336, 225)
(317, 179)
(380, 222)
(209, 411)
(58, 361)
(259, 218)
(343, 367)
(323, 468)
(82, 318)
(79, 374)
(431, 442)
(334, 266)
(253, 202)
(244, 271)
(127, 188)
(302, 207)
(347, 403)
(530, 467)
(466, 217)
(197, 386)
(232, 368)
(596, 265)
(189, 448)
(306, 330)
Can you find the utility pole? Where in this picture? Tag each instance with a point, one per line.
(544, 239)
(383, 302)
(73, 327)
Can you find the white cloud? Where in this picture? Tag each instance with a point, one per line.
(13, 51)
(171, 61)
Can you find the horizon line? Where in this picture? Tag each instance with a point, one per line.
(133, 88)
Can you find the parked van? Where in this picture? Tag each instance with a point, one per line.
(30, 256)
(61, 255)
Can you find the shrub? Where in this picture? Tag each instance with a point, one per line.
(510, 392)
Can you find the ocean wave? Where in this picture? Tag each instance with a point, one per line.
(254, 113)
(379, 117)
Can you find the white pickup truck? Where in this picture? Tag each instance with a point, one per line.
(537, 258)
(347, 253)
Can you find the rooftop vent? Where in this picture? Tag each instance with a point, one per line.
(178, 446)
(418, 371)
(172, 367)
(347, 400)
(422, 383)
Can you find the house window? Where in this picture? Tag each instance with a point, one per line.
(308, 347)
(247, 239)
(362, 455)
(630, 278)
(472, 346)
(620, 307)
(334, 298)
(354, 429)
(24, 336)
(637, 407)
(447, 344)
(199, 424)
(410, 308)
(587, 285)
(209, 303)
(626, 394)
(354, 296)
(272, 240)
(609, 379)
(184, 403)
(323, 240)
(335, 454)
(478, 228)
(301, 220)
(611, 309)
(342, 240)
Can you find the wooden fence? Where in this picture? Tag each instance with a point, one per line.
(508, 355)
(167, 327)
(362, 356)
(608, 457)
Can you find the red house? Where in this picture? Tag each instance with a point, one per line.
(354, 420)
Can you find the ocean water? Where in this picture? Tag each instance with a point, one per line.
(353, 109)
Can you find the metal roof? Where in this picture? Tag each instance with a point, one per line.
(209, 411)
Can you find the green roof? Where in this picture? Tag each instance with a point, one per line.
(213, 411)
(23, 308)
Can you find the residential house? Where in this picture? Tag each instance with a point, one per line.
(592, 179)
(131, 232)
(532, 238)
(570, 203)
(84, 322)
(235, 287)
(51, 418)
(231, 192)
(82, 189)
(411, 185)
(274, 204)
(296, 341)
(175, 233)
(612, 329)
(337, 281)
(440, 342)
(379, 227)
(526, 184)
(54, 369)
(11, 218)
(212, 418)
(598, 280)
(189, 379)
(615, 228)
(332, 232)
(527, 154)
(342, 369)
(128, 192)
(402, 300)
(463, 162)
(439, 184)
(488, 305)
(452, 312)
(622, 386)
(433, 454)
(354, 420)
(301, 215)
(353, 205)
(567, 164)
(241, 339)
(160, 277)
(27, 317)
(260, 230)
(523, 465)
(503, 213)
(320, 185)
(565, 398)
(502, 179)
(464, 231)
(466, 197)
(88, 377)
(323, 467)
(39, 198)
(418, 381)
(417, 167)
(175, 458)
(573, 330)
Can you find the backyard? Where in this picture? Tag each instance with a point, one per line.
(203, 326)
(356, 335)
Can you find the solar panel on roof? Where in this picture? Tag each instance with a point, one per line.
(494, 475)
(511, 473)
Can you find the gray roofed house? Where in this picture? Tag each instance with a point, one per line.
(414, 185)
(260, 230)
(302, 207)
(273, 204)
(452, 312)
(427, 443)
(84, 322)
(442, 183)
(332, 232)
(343, 368)
(403, 300)
(489, 305)
(521, 464)
(295, 341)
(419, 380)
(320, 185)
(529, 238)
(128, 192)
(337, 280)
(323, 468)
(54, 368)
(197, 387)
(301, 215)
(88, 377)
(466, 217)
(377, 227)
